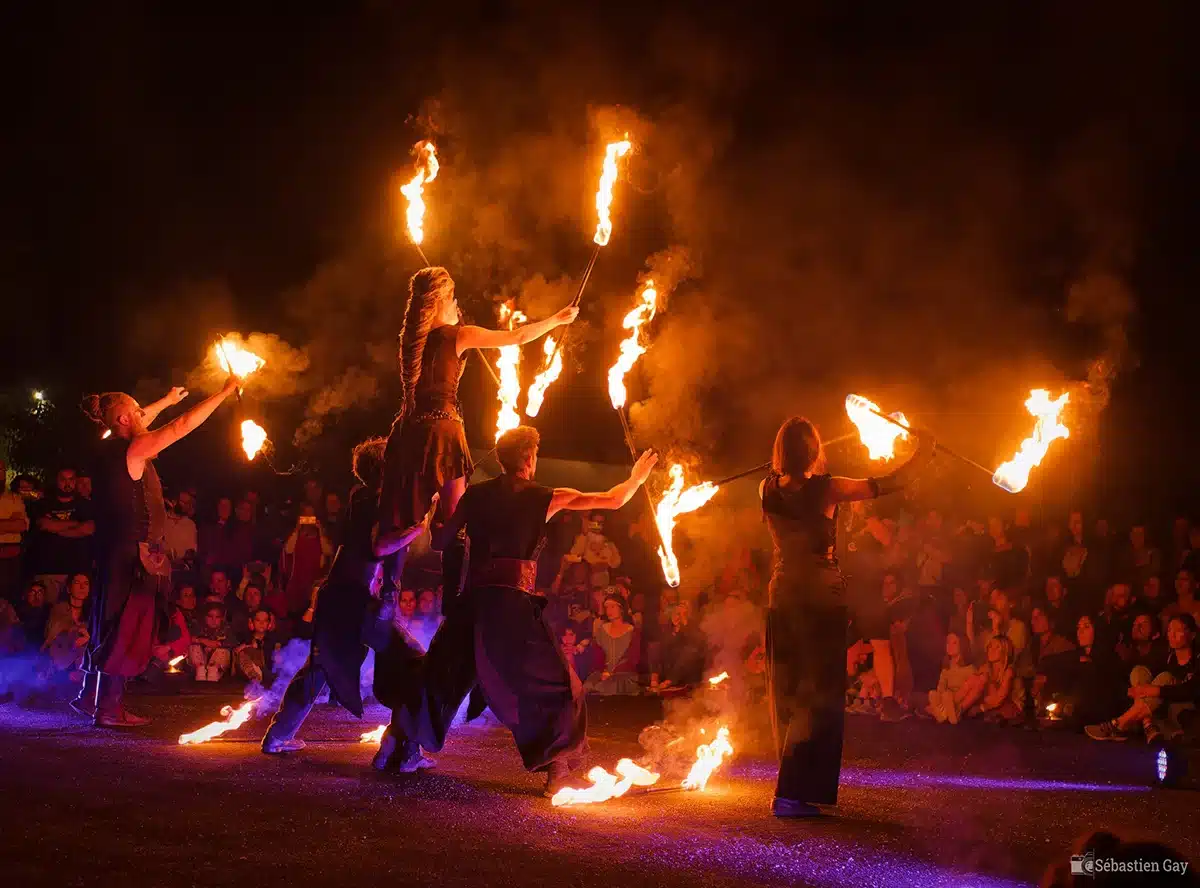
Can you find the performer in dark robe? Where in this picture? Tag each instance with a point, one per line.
(134, 573)
(496, 636)
(806, 614)
(427, 449)
(343, 605)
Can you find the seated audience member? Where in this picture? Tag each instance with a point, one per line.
(1060, 607)
(1090, 678)
(1185, 598)
(572, 586)
(1151, 598)
(946, 700)
(219, 587)
(175, 637)
(427, 608)
(884, 626)
(241, 609)
(617, 643)
(575, 653)
(957, 618)
(209, 653)
(255, 654)
(681, 654)
(1146, 646)
(1116, 618)
(1175, 686)
(1046, 648)
(1000, 622)
(67, 627)
(994, 692)
(34, 613)
(862, 684)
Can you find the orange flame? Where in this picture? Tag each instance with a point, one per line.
(107, 434)
(676, 501)
(254, 437)
(508, 364)
(236, 360)
(551, 369)
(232, 720)
(608, 178)
(877, 434)
(631, 347)
(606, 786)
(708, 759)
(375, 736)
(427, 170)
(175, 661)
(717, 679)
(1014, 474)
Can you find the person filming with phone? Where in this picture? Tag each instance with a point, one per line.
(305, 557)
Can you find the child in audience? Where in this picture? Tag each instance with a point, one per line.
(209, 653)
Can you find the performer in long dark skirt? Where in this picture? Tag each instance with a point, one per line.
(343, 603)
(806, 614)
(496, 636)
(134, 568)
(427, 449)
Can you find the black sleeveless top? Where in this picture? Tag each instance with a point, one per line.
(796, 517)
(128, 512)
(441, 369)
(505, 518)
(355, 560)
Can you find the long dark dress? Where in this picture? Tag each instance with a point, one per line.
(496, 637)
(427, 447)
(128, 597)
(806, 641)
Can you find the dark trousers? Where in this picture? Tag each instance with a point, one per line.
(806, 680)
(498, 640)
(304, 688)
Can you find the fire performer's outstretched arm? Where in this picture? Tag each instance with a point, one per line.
(149, 444)
(577, 501)
(844, 490)
(481, 337)
(391, 542)
(175, 396)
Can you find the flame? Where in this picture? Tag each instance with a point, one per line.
(676, 501)
(877, 434)
(375, 736)
(1051, 707)
(708, 759)
(551, 369)
(233, 719)
(254, 437)
(1014, 474)
(608, 178)
(107, 434)
(175, 661)
(717, 679)
(631, 347)
(508, 364)
(235, 359)
(606, 786)
(427, 170)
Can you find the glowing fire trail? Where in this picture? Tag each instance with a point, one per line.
(509, 364)
(606, 786)
(254, 437)
(631, 347)
(676, 501)
(427, 170)
(233, 719)
(878, 433)
(375, 736)
(551, 370)
(1014, 474)
(717, 679)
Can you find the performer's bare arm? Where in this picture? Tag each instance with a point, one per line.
(481, 337)
(149, 445)
(385, 544)
(577, 501)
(845, 490)
(170, 399)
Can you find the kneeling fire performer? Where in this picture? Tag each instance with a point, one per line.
(807, 615)
(496, 636)
(134, 569)
(343, 603)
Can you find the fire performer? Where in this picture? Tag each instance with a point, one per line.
(134, 568)
(496, 636)
(343, 603)
(427, 448)
(807, 615)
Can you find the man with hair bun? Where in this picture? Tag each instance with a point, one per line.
(134, 569)
(496, 636)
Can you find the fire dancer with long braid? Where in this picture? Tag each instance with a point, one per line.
(807, 615)
(134, 568)
(338, 648)
(427, 447)
(496, 636)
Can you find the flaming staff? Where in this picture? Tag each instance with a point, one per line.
(508, 363)
(717, 679)
(232, 719)
(375, 736)
(1013, 475)
(677, 500)
(708, 759)
(878, 433)
(254, 437)
(939, 447)
(551, 370)
(427, 170)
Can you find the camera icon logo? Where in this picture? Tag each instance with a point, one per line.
(1083, 864)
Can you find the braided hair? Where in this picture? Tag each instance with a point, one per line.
(105, 409)
(427, 290)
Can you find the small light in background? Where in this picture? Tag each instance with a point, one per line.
(39, 395)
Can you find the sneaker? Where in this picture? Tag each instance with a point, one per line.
(122, 718)
(789, 808)
(1153, 734)
(415, 761)
(891, 711)
(558, 776)
(280, 746)
(1105, 731)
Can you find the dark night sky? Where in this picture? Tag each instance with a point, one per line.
(884, 193)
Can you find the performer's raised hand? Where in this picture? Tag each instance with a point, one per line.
(566, 315)
(231, 385)
(643, 467)
(176, 395)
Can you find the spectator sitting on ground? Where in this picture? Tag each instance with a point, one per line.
(255, 654)
(1046, 647)
(34, 613)
(66, 629)
(1090, 678)
(219, 587)
(1151, 598)
(1117, 617)
(241, 609)
(427, 608)
(946, 700)
(1185, 597)
(862, 685)
(1002, 622)
(1175, 686)
(575, 653)
(1059, 606)
(1145, 646)
(680, 655)
(618, 644)
(209, 654)
(175, 639)
(994, 692)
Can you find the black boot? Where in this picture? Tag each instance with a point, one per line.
(110, 704)
(85, 701)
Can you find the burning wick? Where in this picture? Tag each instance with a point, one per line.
(1014, 474)
(508, 364)
(175, 661)
(235, 360)
(233, 719)
(608, 178)
(107, 434)
(708, 759)
(606, 786)
(717, 679)
(676, 501)
(375, 736)
(876, 433)
(551, 370)
(427, 170)
(631, 347)
(254, 437)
